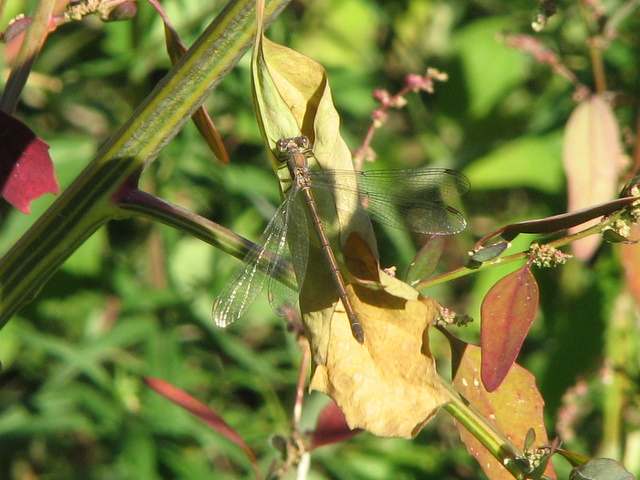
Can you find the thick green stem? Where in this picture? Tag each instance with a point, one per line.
(86, 204)
(483, 430)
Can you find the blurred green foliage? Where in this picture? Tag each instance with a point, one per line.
(135, 300)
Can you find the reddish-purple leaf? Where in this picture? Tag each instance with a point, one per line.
(124, 11)
(16, 27)
(331, 427)
(15, 33)
(514, 408)
(203, 412)
(26, 169)
(508, 311)
(591, 155)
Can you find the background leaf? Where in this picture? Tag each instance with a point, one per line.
(630, 255)
(203, 413)
(592, 159)
(331, 427)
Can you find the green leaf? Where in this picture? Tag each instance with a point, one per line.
(427, 259)
(491, 68)
(529, 162)
(600, 469)
(87, 259)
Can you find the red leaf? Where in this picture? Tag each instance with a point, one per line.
(331, 427)
(507, 313)
(203, 412)
(515, 407)
(26, 169)
(124, 11)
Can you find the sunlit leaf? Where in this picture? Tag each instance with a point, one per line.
(362, 264)
(508, 311)
(292, 96)
(26, 169)
(515, 408)
(591, 156)
(389, 385)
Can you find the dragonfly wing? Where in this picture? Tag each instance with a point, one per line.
(414, 199)
(249, 279)
(433, 183)
(282, 297)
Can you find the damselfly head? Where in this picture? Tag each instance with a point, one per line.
(285, 145)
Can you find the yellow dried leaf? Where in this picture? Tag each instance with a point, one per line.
(388, 386)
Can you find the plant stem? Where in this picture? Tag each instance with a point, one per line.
(86, 204)
(597, 62)
(483, 430)
(561, 242)
(193, 224)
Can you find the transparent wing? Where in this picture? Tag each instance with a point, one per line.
(249, 279)
(281, 296)
(412, 199)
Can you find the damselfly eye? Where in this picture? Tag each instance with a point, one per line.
(282, 144)
(303, 142)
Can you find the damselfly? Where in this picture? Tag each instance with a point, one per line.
(413, 199)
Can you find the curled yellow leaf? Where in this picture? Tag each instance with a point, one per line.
(389, 385)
